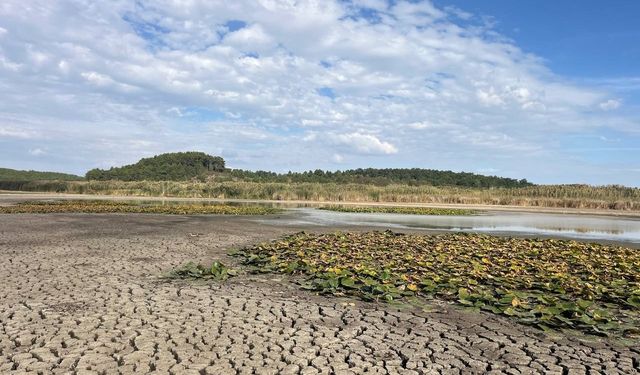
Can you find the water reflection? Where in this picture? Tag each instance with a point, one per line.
(556, 225)
(559, 225)
(194, 202)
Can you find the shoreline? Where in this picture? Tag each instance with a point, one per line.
(13, 195)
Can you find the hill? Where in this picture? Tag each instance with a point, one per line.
(183, 166)
(7, 174)
(381, 177)
(177, 166)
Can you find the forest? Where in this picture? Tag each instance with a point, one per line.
(184, 166)
(177, 166)
(383, 177)
(7, 174)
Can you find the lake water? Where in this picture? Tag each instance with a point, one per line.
(581, 227)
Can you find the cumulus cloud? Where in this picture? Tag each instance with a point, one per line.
(610, 105)
(14, 132)
(37, 152)
(403, 75)
(364, 143)
(97, 78)
(489, 97)
(250, 38)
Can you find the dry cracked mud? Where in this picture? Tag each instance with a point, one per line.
(81, 294)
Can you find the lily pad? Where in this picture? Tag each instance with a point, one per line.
(550, 284)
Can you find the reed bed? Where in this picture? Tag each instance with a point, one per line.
(611, 197)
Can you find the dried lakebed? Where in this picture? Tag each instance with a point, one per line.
(80, 293)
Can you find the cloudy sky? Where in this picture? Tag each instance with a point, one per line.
(548, 91)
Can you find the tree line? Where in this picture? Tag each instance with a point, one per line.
(7, 174)
(183, 166)
(385, 176)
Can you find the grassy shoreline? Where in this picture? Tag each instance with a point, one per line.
(550, 196)
(400, 210)
(93, 207)
(553, 284)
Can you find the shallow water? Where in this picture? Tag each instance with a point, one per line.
(582, 227)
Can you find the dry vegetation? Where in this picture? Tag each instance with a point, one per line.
(563, 196)
(545, 283)
(399, 210)
(100, 207)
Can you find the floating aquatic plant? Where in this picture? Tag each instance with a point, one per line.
(191, 270)
(546, 283)
(400, 210)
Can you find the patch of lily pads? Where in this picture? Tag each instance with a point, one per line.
(102, 206)
(400, 210)
(217, 271)
(546, 283)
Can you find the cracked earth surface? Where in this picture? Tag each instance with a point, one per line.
(81, 294)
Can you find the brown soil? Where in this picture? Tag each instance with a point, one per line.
(82, 294)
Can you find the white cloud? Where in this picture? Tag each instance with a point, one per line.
(12, 132)
(459, 13)
(97, 78)
(9, 65)
(252, 38)
(379, 5)
(177, 111)
(37, 152)
(610, 105)
(364, 143)
(411, 78)
(489, 97)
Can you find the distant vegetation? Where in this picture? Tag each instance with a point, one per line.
(109, 207)
(178, 166)
(7, 174)
(558, 196)
(400, 210)
(381, 177)
(198, 175)
(183, 166)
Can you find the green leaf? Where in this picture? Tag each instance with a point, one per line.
(347, 282)
(634, 301)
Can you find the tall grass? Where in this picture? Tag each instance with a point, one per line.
(565, 196)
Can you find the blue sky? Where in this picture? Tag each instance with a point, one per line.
(544, 90)
(579, 39)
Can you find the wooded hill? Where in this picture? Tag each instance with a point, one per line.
(177, 166)
(182, 166)
(7, 174)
